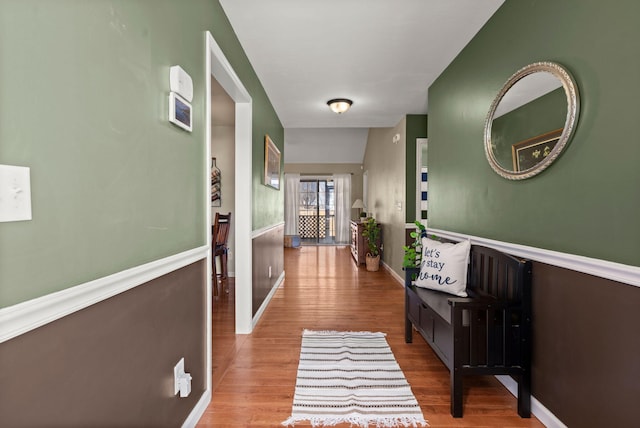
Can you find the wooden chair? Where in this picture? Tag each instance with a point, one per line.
(220, 236)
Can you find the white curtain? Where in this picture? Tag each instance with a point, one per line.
(342, 188)
(291, 203)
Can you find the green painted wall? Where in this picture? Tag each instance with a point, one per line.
(268, 203)
(416, 128)
(587, 203)
(84, 88)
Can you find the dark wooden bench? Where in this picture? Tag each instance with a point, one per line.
(487, 333)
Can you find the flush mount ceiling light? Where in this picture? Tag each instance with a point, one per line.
(339, 105)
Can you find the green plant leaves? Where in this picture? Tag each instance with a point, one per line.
(413, 252)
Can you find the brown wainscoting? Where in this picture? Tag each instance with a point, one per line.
(111, 364)
(268, 250)
(586, 347)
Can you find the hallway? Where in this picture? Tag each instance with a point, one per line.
(254, 375)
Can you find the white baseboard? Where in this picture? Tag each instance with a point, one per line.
(392, 273)
(23, 317)
(198, 410)
(264, 305)
(543, 414)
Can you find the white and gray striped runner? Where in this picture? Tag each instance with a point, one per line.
(351, 377)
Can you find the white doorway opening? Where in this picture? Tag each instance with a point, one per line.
(219, 67)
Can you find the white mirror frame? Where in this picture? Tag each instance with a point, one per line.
(573, 109)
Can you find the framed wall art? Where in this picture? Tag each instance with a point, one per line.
(216, 191)
(527, 154)
(271, 164)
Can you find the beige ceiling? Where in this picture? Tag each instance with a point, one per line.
(382, 54)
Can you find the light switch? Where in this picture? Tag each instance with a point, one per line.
(15, 193)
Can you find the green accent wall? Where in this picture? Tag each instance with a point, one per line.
(587, 202)
(268, 203)
(416, 128)
(84, 101)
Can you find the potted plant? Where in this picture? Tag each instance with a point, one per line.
(413, 252)
(371, 232)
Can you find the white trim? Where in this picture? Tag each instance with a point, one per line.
(23, 317)
(392, 273)
(259, 232)
(413, 225)
(418, 195)
(222, 70)
(198, 410)
(604, 269)
(208, 233)
(543, 414)
(267, 300)
(243, 215)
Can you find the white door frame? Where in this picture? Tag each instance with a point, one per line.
(219, 67)
(420, 142)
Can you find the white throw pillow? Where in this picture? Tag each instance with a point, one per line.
(444, 266)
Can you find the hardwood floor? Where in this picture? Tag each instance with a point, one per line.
(254, 375)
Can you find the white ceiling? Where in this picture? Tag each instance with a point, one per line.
(382, 54)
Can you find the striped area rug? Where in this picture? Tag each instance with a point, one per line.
(351, 377)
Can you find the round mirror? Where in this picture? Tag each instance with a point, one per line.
(531, 120)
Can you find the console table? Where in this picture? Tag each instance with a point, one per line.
(359, 243)
(358, 249)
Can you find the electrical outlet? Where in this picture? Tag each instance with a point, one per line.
(181, 380)
(178, 373)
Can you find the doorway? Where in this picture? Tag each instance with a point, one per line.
(218, 66)
(316, 213)
(422, 180)
(223, 195)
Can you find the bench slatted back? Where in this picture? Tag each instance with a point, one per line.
(498, 275)
(500, 334)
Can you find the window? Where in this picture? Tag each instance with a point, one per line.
(316, 215)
